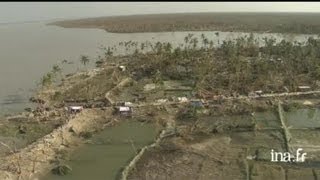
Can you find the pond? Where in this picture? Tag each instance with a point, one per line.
(110, 151)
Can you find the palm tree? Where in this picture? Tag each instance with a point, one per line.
(194, 42)
(211, 44)
(203, 36)
(64, 61)
(142, 46)
(186, 39)
(158, 78)
(56, 69)
(205, 42)
(108, 52)
(168, 47)
(47, 79)
(84, 60)
(217, 34)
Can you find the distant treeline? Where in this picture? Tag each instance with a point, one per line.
(302, 23)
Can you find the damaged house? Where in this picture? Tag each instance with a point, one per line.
(123, 110)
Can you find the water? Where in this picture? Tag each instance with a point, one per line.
(304, 118)
(28, 51)
(267, 120)
(111, 151)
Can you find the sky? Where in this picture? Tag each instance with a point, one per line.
(38, 11)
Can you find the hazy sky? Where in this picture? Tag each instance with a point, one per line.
(30, 11)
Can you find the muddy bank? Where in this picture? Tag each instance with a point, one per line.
(18, 131)
(38, 157)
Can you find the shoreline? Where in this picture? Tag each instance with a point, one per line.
(182, 31)
(228, 22)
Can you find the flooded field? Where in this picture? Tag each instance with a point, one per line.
(238, 153)
(304, 118)
(28, 51)
(108, 151)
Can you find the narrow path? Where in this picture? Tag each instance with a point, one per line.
(168, 131)
(286, 132)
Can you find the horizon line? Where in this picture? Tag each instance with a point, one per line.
(86, 17)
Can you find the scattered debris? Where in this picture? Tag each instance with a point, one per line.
(307, 103)
(122, 68)
(85, 134)
(304, 88)
(36, 100)
(22, 129)
(255, 94)
(149, 87)
(75, 109)
(162, 101)
(129, 104)
(259, 92)
(183, 99)
(18, 118)
(197, 103)
(61, 170)
(28, 109)
(251, 157)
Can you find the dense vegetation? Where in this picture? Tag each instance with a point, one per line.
(248, 22)
(235, 67)
(239, 66)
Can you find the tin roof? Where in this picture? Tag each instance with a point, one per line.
(75, 107)
(124, 108)
(304, 87)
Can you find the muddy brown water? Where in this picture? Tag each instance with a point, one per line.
(111, 150)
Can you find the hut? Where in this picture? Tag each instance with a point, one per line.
(74, 109)
(122, 68)
(183, 99)
(259, 92)
(304, 88)
(125, 110)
